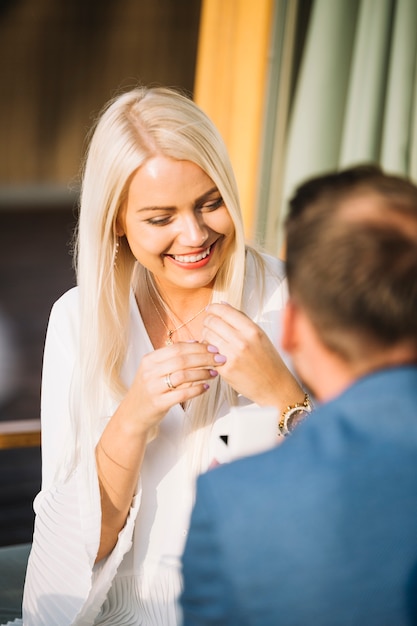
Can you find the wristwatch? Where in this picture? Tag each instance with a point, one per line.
(293, 415)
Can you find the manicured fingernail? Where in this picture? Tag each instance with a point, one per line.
(220, 358)
(213, 373)
(212, 349)
(206, 386)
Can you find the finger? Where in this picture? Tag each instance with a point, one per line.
(203, 356)
(226, 322)
(179, 349)
(231, 330)
(181, 378)
(215, 339)
(219, 332)
(234, 317)
(183, 394)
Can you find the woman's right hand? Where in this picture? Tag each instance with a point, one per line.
(187, 367)
(170, 375)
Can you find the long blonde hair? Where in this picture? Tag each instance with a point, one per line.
(134, 127)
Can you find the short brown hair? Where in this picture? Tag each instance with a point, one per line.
(352, 258)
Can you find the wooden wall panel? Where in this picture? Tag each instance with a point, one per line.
(61, 61)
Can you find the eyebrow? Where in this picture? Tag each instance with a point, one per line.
(200, 200)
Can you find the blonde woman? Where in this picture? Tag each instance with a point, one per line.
(143, 361)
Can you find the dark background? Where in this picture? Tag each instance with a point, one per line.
(35, 269)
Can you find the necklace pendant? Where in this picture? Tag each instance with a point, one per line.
(169, 341)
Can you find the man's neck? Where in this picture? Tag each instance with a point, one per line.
(337, 374)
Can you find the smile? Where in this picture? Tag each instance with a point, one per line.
(191, 258)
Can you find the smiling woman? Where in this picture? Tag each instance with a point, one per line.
(144, 361)
(181, 233)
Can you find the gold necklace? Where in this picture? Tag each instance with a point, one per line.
(171, 331)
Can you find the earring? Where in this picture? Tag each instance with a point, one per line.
(116, 252)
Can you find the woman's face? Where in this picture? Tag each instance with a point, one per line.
(176, 223)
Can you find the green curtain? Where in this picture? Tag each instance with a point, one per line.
(355, 97)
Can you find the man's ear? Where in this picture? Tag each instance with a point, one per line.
(289, 337)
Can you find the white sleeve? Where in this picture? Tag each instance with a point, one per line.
(63, 586)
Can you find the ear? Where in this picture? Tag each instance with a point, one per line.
(120, 231)
(289, 328)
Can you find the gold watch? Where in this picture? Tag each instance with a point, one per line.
(293, 415)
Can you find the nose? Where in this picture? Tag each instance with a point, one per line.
(193, 231)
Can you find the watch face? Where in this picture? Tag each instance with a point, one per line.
(295, 419)
(294, 415)
(292, 419)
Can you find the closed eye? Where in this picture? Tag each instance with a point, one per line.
(159, 221)
(211, 205)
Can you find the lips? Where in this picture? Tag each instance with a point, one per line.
(192, 261)
(191, 258)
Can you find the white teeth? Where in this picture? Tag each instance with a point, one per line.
(191, 258)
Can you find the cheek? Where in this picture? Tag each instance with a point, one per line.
(144, 244)
(228, 232)
(221, 222)
(144, 237)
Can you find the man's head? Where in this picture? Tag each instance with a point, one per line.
(352, 263)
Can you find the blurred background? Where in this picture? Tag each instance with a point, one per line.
(296, 87)
(60, 63)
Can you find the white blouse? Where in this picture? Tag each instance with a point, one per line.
(140, 581)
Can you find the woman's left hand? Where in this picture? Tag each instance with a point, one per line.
(254, 367)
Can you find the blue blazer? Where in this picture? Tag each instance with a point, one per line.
(320, 531)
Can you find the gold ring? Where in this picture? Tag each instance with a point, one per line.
(168, 382)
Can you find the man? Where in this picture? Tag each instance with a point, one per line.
(322, 530)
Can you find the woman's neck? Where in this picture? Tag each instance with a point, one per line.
(173, 314)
